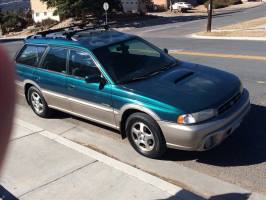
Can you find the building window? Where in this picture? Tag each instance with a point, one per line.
(37, 14)
(45, 13)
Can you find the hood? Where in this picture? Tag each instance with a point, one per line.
(189, 87)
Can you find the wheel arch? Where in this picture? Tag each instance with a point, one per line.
(27, 85)
(128, 110)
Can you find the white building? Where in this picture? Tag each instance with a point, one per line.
(40, 11)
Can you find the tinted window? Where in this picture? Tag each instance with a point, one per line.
(55, 60)
(31, 55)
(81, 64)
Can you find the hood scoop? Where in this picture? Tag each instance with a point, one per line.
(183, 75)
(177, 75)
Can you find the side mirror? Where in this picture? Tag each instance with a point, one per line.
(96, 79)
(165, 51)
(93, 79)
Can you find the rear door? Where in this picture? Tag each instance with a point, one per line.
(88, 99)
(51, 77)
(26, 62)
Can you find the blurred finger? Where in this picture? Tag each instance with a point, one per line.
(7, 100)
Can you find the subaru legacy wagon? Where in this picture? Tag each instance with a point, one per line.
(124, 82)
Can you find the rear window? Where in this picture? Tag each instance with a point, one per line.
(31, 55)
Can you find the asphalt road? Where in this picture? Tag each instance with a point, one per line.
(179, 26)
(241, 159)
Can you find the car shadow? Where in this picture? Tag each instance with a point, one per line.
(56, 114)
(244, 147)
(112, 130)
(183, 194)
(6, 195)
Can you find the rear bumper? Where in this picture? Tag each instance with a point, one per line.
(207, 135)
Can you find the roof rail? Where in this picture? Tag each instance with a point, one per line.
(68, 32)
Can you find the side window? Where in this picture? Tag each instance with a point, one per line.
(55, 60)
(81, 64)
(31, 55)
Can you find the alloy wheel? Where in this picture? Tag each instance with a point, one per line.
(142, 136)
(37, 102)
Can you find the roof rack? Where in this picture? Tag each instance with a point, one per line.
(67, 32)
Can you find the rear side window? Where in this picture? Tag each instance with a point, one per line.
(55, 60)
(31, 55)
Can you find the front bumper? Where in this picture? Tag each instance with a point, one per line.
(207, 135)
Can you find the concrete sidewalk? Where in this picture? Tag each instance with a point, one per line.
(42, 165)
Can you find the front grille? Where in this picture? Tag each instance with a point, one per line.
(230, 103)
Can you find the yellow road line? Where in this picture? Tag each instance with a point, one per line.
(217, 55)
(261, 82)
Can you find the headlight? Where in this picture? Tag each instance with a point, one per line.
(196, 117)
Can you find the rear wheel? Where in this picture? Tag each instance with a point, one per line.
(145, 135)
(38, 103)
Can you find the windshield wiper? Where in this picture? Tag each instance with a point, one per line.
(166, 67)
(134, 79)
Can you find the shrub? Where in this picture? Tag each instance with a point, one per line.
(12, 22)
(46, 23)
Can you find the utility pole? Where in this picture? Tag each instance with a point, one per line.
(209, 25)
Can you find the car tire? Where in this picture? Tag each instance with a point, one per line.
(145, 135)
(38, 103)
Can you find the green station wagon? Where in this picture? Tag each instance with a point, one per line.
(124, 82)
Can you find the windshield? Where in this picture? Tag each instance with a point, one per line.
(132, 60)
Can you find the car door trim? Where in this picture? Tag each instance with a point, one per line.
(80, 101)
(86, 117)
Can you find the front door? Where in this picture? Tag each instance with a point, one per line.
(88, 99)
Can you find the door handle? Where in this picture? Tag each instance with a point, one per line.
(37, 78)
(71, 86)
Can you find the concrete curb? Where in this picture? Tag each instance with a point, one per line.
(201, 37)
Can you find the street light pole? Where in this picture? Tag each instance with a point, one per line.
(209, 25)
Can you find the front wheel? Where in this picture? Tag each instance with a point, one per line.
(145, 135)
